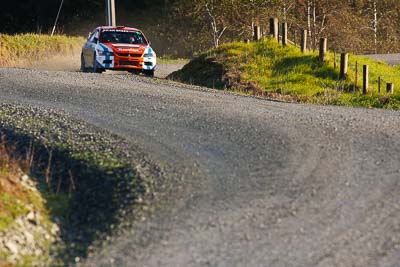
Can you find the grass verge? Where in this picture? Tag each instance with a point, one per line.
(20, 50)
(269, 69)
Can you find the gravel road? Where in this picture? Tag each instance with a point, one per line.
(390, 59)
(262, 183)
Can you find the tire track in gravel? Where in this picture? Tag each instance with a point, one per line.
(263, 183)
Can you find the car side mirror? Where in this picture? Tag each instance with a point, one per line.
(149, 42)
(95, 40)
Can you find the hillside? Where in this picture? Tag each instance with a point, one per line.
(271, 70)
(31, 50)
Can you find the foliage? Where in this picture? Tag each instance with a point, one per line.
(349, 25)
(184, 27)
(269, 69)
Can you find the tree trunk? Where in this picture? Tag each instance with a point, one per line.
(314, 25)
(309, 18)
(375, 27)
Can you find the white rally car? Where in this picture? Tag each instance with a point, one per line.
(118, 48)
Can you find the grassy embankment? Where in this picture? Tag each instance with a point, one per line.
(23, 50)
(12, 194)
(16, 201)
(269, 69)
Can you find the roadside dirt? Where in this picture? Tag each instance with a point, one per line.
(57, 63)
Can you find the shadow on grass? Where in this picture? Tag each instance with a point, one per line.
(85, 200)
(318, 69)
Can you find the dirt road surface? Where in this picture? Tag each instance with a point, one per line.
(262, 183)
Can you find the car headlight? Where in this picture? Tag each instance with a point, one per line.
(104, 53)
(149, 55)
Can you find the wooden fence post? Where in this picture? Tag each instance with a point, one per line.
(284, 34)
(390, 88)
(356, 78)
(323, 48)
(304, 41)
(379, 84)
(334, 60)
(274, 28)
(344, 64)
(365, 79)
(1, 49)
(257, 33)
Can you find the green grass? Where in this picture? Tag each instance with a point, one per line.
(11, 210)
(15, 49)
(267, 68)
(171, 60)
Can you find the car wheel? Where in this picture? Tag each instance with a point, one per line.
(149, 73)
(83, 65)
(96, 69)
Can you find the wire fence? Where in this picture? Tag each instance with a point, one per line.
(376, 80)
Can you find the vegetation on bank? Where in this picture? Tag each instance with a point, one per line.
(12, 195)
(22, 49)
(19, 200)
(269, 69)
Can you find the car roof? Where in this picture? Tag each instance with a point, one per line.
(123, 28)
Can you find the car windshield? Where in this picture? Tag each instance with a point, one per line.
(122, 37)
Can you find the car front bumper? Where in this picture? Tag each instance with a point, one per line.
(127, 63)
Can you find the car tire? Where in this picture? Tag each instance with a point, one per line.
(149, 73)
(83, 65)
(96, 68)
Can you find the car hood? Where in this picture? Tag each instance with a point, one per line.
(124, 48)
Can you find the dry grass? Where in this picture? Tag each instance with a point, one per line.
(23, 50)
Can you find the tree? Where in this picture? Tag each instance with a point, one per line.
(218, 26)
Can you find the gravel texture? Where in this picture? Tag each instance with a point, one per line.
(72, 63)
(109, 184)
(163, 70)
(261, 183)
(391, 59)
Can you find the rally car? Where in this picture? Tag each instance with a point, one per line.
(118, 48)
